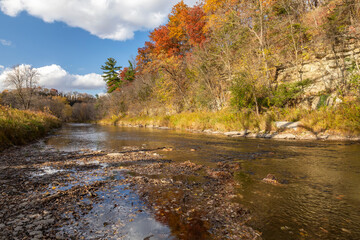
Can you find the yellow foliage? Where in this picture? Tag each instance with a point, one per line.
(212, 6)
(60, 99)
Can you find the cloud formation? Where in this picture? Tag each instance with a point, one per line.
(5, 42)
(54, 76)
(107, 19)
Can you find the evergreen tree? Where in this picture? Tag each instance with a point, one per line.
(111, 75)
(130, 73)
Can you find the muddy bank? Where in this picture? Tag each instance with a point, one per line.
(132, 194)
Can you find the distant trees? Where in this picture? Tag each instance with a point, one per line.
(111, 75)
(24, 79)
(69, 107)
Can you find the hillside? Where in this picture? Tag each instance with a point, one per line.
(261, 61)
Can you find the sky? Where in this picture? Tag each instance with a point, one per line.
(67, 41)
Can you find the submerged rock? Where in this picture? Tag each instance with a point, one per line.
(270, 178)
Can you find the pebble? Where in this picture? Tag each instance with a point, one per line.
(35, 233)
(39, 236)
(114, 154)
(59, 235)
(38, 227)
(30, 226)
(20, 223)
(34, 215)
(18, 228)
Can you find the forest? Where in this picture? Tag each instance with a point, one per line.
(225, 65)
(244, 61)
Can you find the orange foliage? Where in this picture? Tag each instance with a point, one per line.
(195, 24)
(184, 30)
(163, 42)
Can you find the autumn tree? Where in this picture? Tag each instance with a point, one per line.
(219, 50)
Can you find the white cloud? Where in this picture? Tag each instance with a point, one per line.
(5, 42)
(3, 72)
(54, 76)
(107, 19)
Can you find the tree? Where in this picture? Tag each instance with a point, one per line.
(127, 75)
(24, 79)
(111, 75)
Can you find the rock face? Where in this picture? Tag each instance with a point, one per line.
(326, 70)
(287, 125)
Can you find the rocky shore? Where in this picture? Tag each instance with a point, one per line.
(285, 131)
(49, 194)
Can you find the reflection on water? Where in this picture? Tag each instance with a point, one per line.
(319, 197)
(115, 213)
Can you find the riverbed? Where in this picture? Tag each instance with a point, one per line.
(317, 195)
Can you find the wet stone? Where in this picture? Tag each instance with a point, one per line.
(38, 227)
(34, 216)
(39, 236)
(18, 228)
(35, 233)
(59, 235)
(30, 226)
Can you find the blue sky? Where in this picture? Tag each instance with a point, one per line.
(68, 41)
(38, 43)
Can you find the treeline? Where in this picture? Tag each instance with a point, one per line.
(68, 107)
(226, 54)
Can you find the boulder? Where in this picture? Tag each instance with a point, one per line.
(287, 125)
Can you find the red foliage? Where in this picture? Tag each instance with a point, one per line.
(143, 56)
(195, 24)
(163, 42)
(184, 30)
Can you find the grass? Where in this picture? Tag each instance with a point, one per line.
(19, 127)
(344, 119)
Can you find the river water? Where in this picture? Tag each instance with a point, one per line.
(319, 197)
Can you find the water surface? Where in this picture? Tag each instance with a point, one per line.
(319, 197)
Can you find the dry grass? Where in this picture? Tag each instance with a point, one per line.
(20, 127)
(344, 119)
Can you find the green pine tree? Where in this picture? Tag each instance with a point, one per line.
(130, 73)
(111, 75)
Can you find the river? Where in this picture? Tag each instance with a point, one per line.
(319, 194)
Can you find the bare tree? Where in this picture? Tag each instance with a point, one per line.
(24, 79)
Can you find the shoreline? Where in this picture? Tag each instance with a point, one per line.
(294, 134)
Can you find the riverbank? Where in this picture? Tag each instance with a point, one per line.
(92, 194)
(338, 124)
(20, 127)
